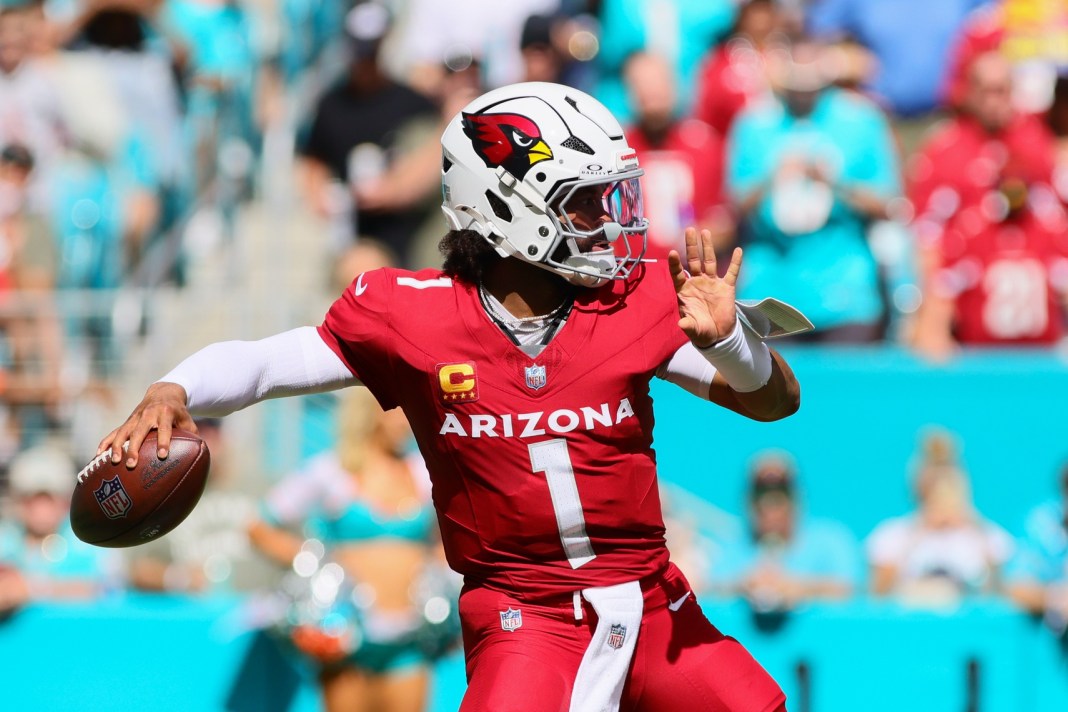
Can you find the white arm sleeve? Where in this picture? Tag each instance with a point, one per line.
(688, 369)
(231, 375)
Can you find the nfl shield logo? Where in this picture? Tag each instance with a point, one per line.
(616, 634)
(112, 498)
(535, 377)
(511, 619)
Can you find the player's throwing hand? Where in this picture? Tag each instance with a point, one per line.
(163, 407)
(706, 300)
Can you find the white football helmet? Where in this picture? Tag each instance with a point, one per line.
(514, 157)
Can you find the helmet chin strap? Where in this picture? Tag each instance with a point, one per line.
(590, 269)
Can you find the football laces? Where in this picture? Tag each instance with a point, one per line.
(97, 462)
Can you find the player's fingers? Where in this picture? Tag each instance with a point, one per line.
(678, 274)
(144, 426)
(709, 252)
(731, 277)
(105, 442)
(185, 422)
(693, 252)
(117, 437)
(163, 436)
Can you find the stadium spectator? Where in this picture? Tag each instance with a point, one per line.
(31, 340)
(912, 57)
(28, 255)
(30, 112)
(990, 228)
(360, 128)
(542, 59)
(1038, 580)
(87, 183)
(117, 35)
(998, 279)
(787, 557)
(210, 550)
(558, 48)
(944, 549)
(983, 32)
(431, 32)
(809, 173)
(411, 183)
(961, 161)
(681, 31)
(368, 501)
(40, 558)
(682, 158)
(1029, 35)
(734, 74)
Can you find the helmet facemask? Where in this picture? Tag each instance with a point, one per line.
(590, 255)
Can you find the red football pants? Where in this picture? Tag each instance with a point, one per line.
(681, 661)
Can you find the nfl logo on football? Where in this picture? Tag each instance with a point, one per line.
(535, 377)
(616, 634)
(511, 619)
(112, 498)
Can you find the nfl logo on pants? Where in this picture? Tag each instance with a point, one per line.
(511, 619)
(616, 635)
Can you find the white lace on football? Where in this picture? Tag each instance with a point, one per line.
(97, 462)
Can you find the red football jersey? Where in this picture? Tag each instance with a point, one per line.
(961, 163)
(544, 476)
(1007, 277)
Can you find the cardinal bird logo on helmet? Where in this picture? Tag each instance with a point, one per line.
(508, 140)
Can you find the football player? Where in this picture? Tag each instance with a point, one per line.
(524, 368)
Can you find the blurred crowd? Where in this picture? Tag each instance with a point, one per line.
(939, 554)
(900, 181)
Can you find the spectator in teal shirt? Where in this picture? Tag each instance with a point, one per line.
(40, 558)
(1038, 576)
(810, 171)
(787, 558)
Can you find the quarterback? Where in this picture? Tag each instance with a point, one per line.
(523, 367)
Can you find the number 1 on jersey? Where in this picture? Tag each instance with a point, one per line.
(552, 458)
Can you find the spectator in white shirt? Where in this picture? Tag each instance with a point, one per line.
(944, 549)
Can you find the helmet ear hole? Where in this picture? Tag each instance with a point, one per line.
(500, 208)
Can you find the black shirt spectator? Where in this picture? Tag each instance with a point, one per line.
(361, 125)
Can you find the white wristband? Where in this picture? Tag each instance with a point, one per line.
(742, 358)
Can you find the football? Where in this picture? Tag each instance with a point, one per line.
(114, 506)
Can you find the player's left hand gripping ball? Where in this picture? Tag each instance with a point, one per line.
(114, 506)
